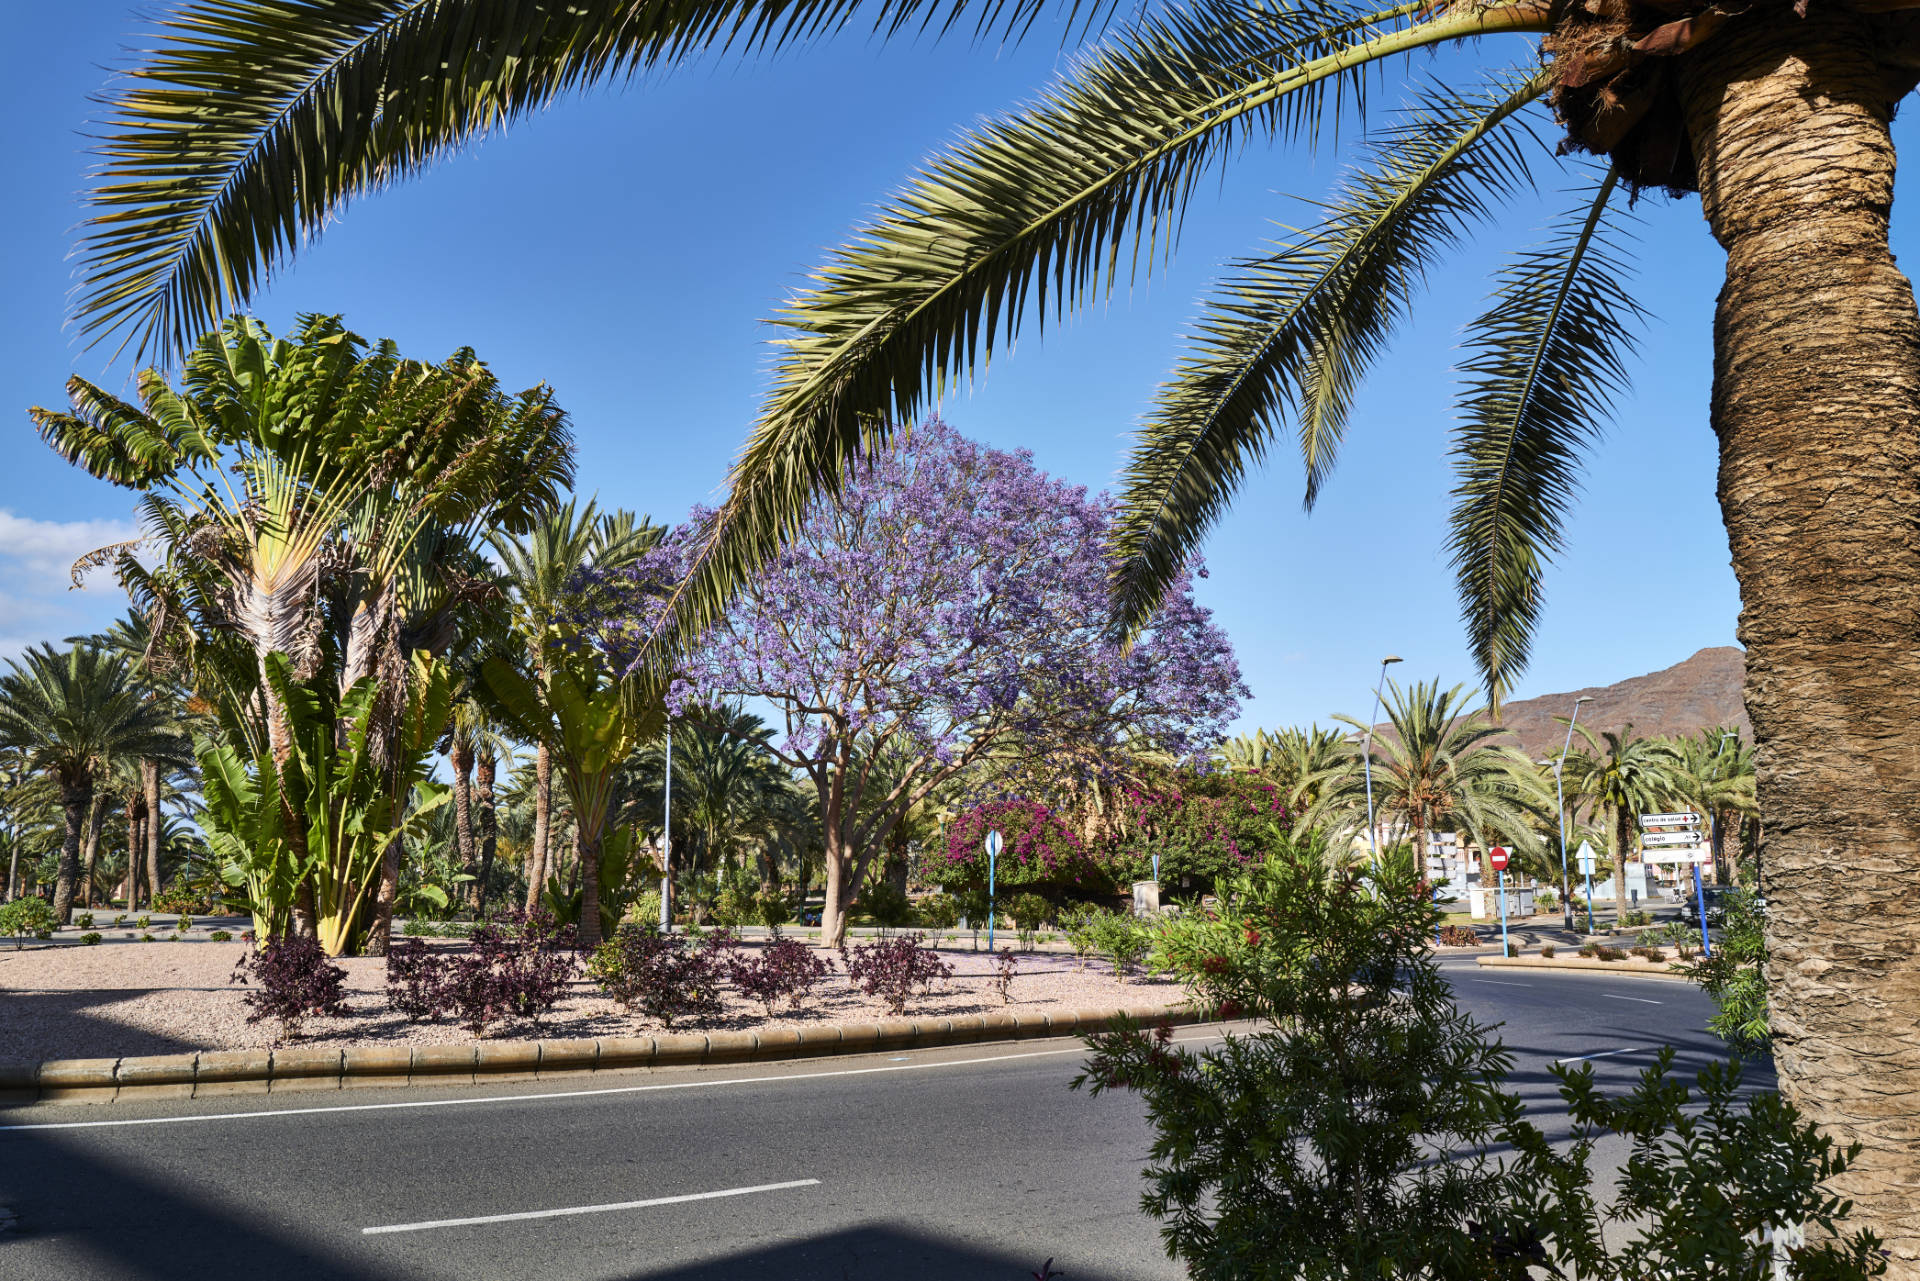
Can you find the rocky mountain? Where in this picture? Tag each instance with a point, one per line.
(1702, 692)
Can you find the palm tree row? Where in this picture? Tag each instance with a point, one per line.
(1438, 765)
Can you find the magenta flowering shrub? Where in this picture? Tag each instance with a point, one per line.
(786, 970)
(1039, 849)
(296, 979)
(1203, 825)
(950, 599)
(893, 969)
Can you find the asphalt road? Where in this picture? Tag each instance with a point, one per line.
(968, 1163)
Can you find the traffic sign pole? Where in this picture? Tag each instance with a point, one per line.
(993, 856)
(1498, 857)
(1700, 899)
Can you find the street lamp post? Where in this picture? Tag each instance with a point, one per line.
(1560, 795)
(666, 844)
(1366, 757)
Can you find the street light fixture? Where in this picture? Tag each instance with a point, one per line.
(1366, 758)
(1560, 795)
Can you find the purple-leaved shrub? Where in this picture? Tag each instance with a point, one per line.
(517, 965)
(416, 981)
(892, 968)
(661, 975)
(296, 980)
(784, 970)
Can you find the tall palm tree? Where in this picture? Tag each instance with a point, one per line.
(71, 714)
(1714, 776)
(1435, 769)
(543, 570)
(254, 121)
(1620, 776)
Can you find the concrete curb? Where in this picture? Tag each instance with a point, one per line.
(212, 1073)
(1635, 967)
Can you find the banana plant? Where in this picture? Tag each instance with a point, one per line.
(348, 810)
(244, 829)
(591, 720)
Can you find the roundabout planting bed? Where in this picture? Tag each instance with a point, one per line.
(175, 998)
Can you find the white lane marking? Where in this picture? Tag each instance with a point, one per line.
(557, 1094)
(1604, 1054)
(585, 1209)
(1615, 996)
(1502, 983)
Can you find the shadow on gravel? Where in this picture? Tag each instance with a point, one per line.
(80, 1216)
(879, 1251)
(58, 1023)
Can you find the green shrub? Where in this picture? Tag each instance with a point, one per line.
(84, 920)
(120, 920)
(184, 924)
(1120, 939)
(1547, 951)
(938, 911)
(645, 909)
(148, 938)
(1029, 911)
(735, 903)
(145, 922)
(26, 916)
(887, 906)
(90, 938)
(1631, 918)
(1367, 1128)
(221, 936)
(774, 910)
(1732, 977)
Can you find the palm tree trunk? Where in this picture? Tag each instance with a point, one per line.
(1816, 403)
(542, 823)
(460, 756)
(587, 847)
(133, 850)
(150, 783)
(1620, 837)
(96, 819)
(486, 765)
(76, 803)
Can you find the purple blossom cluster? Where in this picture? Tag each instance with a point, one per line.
(949, 596)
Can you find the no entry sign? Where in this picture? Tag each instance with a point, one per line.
(1498, 857)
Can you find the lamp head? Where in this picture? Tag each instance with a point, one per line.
(1584, 698)
(1389, 659)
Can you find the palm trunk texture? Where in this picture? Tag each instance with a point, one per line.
(486, 768)
(96, 819)
(460, 756)
(542, 824)
(150, 826)
(1816, 374)
(76, 803)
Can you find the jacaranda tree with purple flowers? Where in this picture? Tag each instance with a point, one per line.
(951, 598)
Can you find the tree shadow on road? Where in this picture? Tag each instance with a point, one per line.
(883, 1252)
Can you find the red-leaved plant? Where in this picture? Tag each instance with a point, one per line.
(786, 969)
(892, 968)
(296, 980)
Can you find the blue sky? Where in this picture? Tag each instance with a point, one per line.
(627, 246)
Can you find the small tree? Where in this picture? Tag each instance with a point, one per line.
(1356, 1134)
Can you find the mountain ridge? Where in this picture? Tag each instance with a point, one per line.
(1699, 692)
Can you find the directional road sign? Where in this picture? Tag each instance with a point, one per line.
(1695, 854)
(1669, 838)
(1688, 819)
(1587, 857)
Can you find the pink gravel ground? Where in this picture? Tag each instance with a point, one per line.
(120, 999)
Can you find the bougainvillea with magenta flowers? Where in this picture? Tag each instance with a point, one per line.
(1038, 849)
(1204, 825)
(951, 598)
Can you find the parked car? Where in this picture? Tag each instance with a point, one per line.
(1716, 905)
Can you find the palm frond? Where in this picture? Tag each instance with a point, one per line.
(1547, 359)
(1297, 330)
(252, 122)
(1037, 214)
